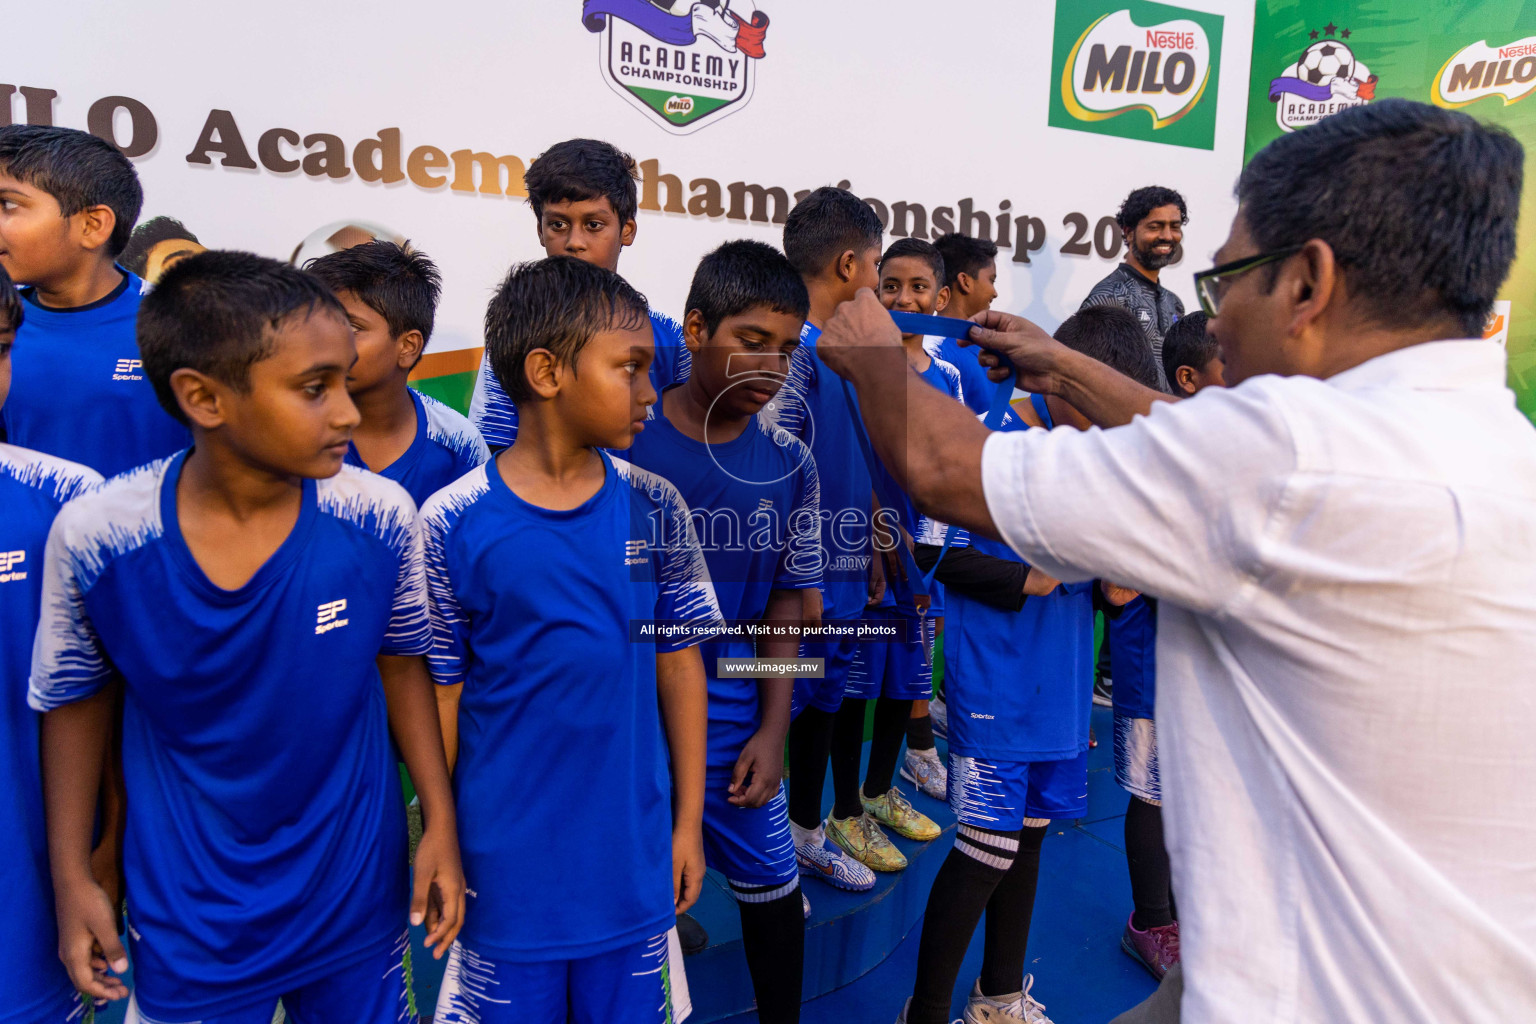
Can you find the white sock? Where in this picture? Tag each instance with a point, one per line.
(806, 836)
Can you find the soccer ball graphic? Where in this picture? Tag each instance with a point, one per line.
(1324, 61)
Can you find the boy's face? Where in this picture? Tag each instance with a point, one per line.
(380, 355)
(7, 338)
(742, 365)
(908, 285)
(587, 229)
(37, 241)
(296, 417)
(983, 289)
(603, 398)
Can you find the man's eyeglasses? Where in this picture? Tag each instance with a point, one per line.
(1211, 284)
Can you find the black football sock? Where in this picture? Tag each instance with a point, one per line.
(966, 881)
(920, 733)
(1147, 859)
(810, 741)
(847, 747)
(1008, 916)
(891, 718)
(773, 938)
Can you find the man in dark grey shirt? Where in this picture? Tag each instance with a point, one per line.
(1153, 220)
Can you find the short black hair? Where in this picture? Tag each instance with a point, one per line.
(1187, 344)
(135, 255)
(397, 282)
(920, 249)
(739, 275)
(78, 170)
(580, 169)
(11, 311)
(558, 304)
(1146, 199)
(964, 254)
(1419, 205)
(216, 313)
(824, 225)
(1111, 335)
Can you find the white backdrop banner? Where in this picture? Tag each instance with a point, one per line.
(272, 128)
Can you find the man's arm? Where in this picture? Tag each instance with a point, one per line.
(437, 897)
(762, 758)
(999, 582)
(684, 701)
(1047, 367)
(74, 742)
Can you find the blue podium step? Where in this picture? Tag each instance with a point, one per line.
(847, 936)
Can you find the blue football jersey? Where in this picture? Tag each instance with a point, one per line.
(446, 447)
(756, 510)
(561, 785)
(1132, 641)
(78, 389)
(976, 388)
(494, 415)
(813, 408)
(33, 487)
(266, 835)
(1019, 685)
(899, 592)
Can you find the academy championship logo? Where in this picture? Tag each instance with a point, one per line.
(1478, 71)
(1144, 71)
(1325, 79)
(685, 63)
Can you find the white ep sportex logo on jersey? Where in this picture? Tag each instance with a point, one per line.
(326, 617)
(634, 552)
(128, 369)
(9, 560)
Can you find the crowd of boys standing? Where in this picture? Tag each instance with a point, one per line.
(260, 569)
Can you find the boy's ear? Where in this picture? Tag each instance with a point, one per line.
(542, 372)
(847, 265)
(964, 283)
(627, 232)
(1184, 380)
(942, 300)
(95, 224)
(408, 349)
(693, 331)
(200, 397)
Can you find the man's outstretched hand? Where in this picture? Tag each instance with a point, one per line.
(858, 326)
(1033, 352)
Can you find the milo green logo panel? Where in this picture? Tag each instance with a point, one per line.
(1136, 70)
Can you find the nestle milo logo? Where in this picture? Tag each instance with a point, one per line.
(1143, 70)
(1480, 71)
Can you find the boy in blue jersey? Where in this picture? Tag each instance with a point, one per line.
(584, 202)
(265, 607)
(897, 672)
(68, 201)
(1018, 668)
(1191, 363)
(547, 566)
(754, 497)
(34, 988)
(390, 295)
(970, 270)
(832, 239)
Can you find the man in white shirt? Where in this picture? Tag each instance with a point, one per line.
(1344, 544)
